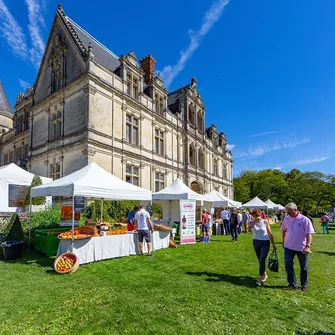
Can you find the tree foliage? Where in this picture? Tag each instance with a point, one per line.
(14, 230)
(309, 190)
(36, 201)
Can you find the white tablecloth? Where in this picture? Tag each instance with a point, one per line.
(99, 248)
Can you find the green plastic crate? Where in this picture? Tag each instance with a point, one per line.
(47, 243)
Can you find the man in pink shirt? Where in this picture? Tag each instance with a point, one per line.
(297, 233)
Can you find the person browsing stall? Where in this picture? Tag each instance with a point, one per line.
(131, 219)
(144, 225)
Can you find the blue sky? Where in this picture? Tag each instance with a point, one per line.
(265, 69)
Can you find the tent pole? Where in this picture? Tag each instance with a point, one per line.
(30, 204)
(72, 239)
(102, 209)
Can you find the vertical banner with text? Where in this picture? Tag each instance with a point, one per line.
(187, 221)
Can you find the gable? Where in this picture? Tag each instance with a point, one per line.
(62, 62)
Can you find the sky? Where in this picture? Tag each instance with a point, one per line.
(265, 69)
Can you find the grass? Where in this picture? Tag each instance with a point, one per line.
(201, 288)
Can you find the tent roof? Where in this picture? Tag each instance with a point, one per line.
(13, 174)
(271, 204)
(280, 207)
(255, 203)
(92, 181)
(219, 199)
(178, 190)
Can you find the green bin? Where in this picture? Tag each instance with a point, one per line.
(47, 243)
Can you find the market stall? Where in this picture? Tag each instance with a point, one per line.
(94, 182)
(14, 184)
(255, 203)
(100, 248)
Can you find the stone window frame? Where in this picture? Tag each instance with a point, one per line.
(55, 171)
(6, 159)
(11, 156)
(133, 84)
(192, 161)
(159, 141)
(159, 104)
(56, 125)
(132, 124)
(133, 174)
(201, 162)
(224, 171)
(159, 181)
(215, 167)
(191, 115)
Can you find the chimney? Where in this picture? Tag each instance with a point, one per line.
(148, 66)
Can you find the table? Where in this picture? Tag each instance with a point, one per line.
(106, 247)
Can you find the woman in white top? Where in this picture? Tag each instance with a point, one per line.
(262, 235)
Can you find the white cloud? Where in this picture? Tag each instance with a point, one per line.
(277, 168)
(268, 133)
(262, 149)
(24, 84)
(36, 22)
(12, 32)
(210, 18)
(309, 160)
(230, 146)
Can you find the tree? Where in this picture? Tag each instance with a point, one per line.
(36, 201)
(13, 230)
(241, 190)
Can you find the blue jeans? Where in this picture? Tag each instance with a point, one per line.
(303, 261)
(261, 249)
(226, 226)
(233, 231)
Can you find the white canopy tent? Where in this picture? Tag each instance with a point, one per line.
(92, 181)
(169, 198)
(255, 203)
(219, 200)
(271, 204)
(12, 174)
(280, 207)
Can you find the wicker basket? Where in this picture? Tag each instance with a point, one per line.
(162, 227)
(74, 267)
(86, 230)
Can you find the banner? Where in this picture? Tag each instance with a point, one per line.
(79, 204)
(187, 221)
(17, 195)
(66, 217)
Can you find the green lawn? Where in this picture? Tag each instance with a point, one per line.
(194, 289)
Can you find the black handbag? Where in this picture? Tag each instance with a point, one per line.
(273, 262)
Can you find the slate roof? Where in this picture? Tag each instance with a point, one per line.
(83, 39)
(173, 99)
(5, 107)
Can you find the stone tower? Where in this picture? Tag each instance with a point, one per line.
(6, 112)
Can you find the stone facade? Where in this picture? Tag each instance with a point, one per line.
(89, 105)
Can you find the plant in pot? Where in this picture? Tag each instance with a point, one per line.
(12, 246)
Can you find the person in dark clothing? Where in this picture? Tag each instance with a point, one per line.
(305, 213)
(234, 224)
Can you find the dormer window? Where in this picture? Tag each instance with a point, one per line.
(191, 115)
(132, 85)
(159, 101)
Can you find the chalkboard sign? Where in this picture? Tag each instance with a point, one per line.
(79, 204)
(149, 209)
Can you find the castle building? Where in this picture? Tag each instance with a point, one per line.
(88, 105)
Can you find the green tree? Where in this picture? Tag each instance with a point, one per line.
(36, 201)
(241, 190)
(13, 231)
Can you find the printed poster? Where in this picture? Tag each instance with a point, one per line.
(66, 217)
(17, 195)
(187, 221)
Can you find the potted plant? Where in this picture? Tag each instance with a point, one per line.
(12, 246)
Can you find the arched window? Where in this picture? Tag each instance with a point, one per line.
(192, 158)
(196, 187)
(201, 158)
(191, 115)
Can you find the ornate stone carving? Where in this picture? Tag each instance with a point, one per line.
(88, 152)
(20, 98)
(46, 162)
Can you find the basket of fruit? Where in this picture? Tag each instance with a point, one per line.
(79, 233)
(66, 263)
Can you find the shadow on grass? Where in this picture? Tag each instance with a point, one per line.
(245, 281)
(299, 332)
(326, 253)
(31, 258)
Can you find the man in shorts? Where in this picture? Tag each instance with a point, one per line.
(144, 225)
(204, 226)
